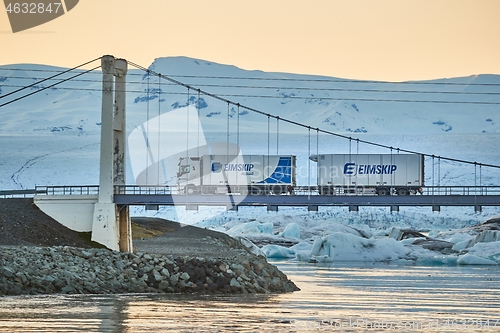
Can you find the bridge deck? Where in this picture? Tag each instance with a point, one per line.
(307, 200)
(476, 196)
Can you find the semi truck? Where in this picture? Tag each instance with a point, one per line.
(245, 174)
(382, 174)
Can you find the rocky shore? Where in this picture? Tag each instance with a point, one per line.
(70, 270)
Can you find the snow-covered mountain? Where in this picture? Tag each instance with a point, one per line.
(338, 105)
(52, 138)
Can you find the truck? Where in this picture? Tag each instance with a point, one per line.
(245, 174)
(382, 174)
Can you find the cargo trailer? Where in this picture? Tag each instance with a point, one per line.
(382, 174)
(245, 174)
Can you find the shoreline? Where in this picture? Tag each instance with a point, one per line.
(40, 256)
(32, 270)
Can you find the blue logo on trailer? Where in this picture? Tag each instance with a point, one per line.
(216, 167)
(352, 169)
(282, 174)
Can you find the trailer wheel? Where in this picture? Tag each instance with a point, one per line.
(254, 190)
(277, 190)
(383, 191)
(402, 191)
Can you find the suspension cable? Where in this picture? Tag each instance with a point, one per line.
(292, 122)
(50, 86)
(51, 77)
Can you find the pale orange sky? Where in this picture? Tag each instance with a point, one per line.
(391, 40)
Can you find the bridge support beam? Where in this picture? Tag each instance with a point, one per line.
(272, 208)
(312, 208)
(152, 207)
(192, 207)
(125, 224)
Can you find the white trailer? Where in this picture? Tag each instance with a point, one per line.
(254, 174)
(382, 174)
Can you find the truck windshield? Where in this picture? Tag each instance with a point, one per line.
(183, 169)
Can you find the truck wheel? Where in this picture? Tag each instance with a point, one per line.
(383, 191)
(190, 189)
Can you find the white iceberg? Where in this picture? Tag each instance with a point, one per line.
(470, 259)
(348, 247)
(278, 252)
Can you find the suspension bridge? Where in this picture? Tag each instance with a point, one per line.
(104, 208)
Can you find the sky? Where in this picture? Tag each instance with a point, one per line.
(386, 40)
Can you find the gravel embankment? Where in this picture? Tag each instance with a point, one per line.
(23, 223)
(40, 256)
(69, 270)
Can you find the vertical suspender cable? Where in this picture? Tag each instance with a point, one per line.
(198, 121)
(439, 172)
(187, 127)
(238, 127)
(475, 177)
(350, 160)
(392, 162)
(480, 180)
(147, 129)
(433, 175)
(317, 143)
(268, 145)
(475, 184)
(317, 155)
(227, 131)
(159, 131)
(268, 137)
(187, 143)
(309, 161)
(277, 135)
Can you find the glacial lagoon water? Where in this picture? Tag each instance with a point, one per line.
(339, 297)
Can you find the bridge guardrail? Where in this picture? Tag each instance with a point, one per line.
(68, 190)
(168, 190)
(461, 190)
(313, 190)
(26, 193)
(145, 189)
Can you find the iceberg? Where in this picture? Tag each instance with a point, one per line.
(470, 259)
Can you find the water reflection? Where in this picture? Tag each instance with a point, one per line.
(371, 298)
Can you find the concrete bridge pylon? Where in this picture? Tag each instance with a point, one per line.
(111, 225)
